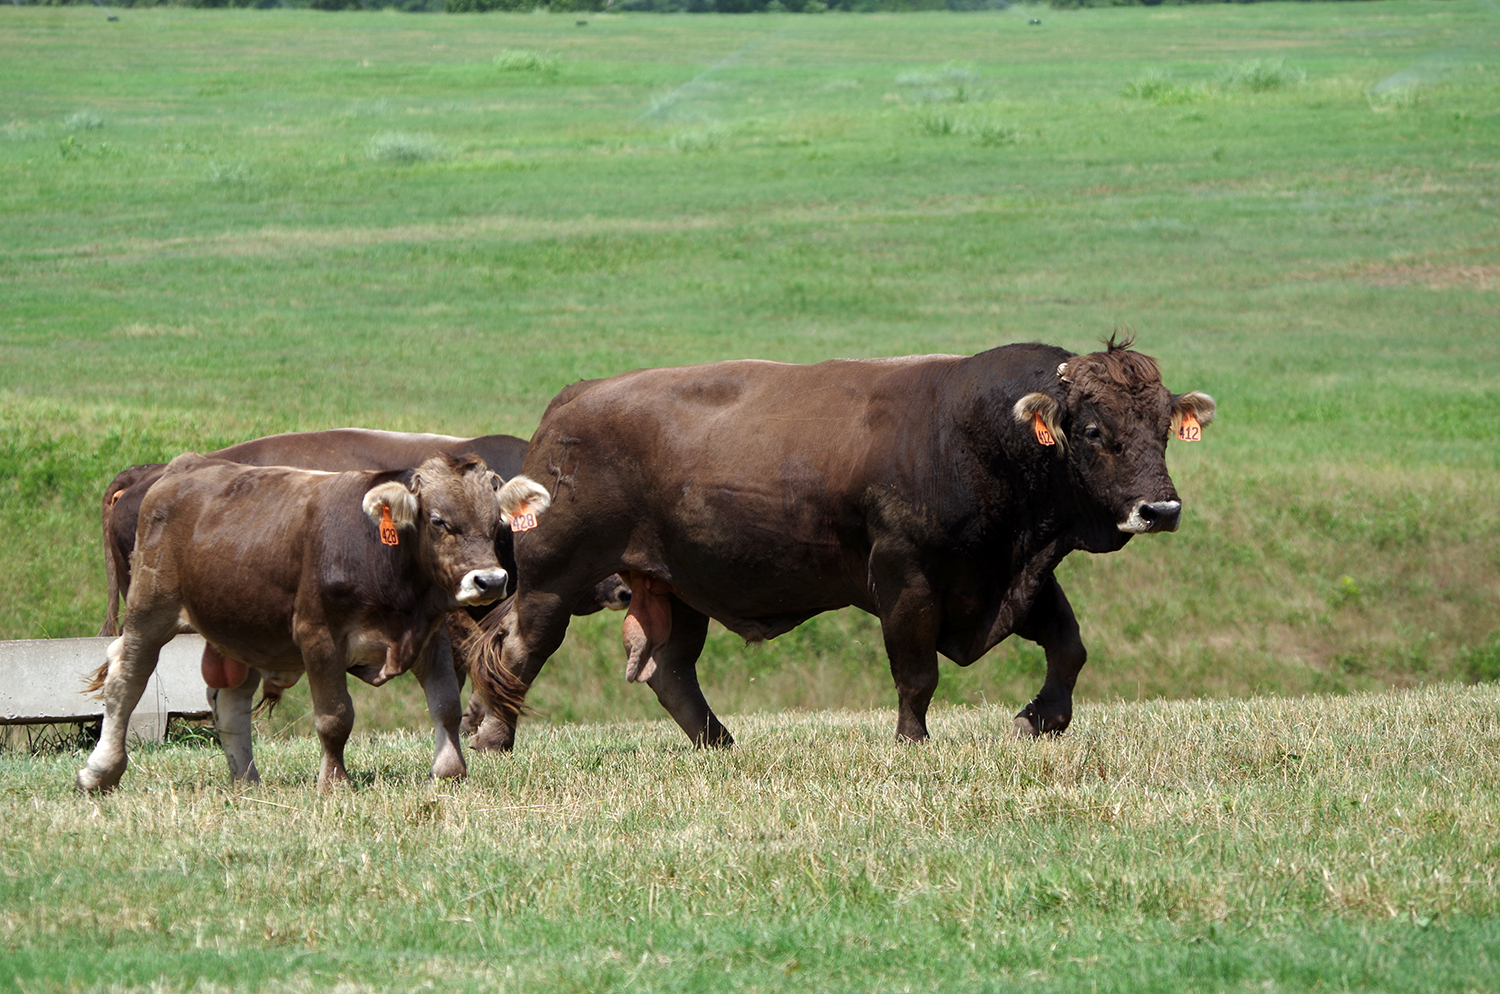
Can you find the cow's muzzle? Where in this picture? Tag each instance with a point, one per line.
(482, 586)
(1153, 516)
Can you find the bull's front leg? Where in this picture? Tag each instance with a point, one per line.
(909, 622)
(435, 672)
(1050, 623)
(537, 622)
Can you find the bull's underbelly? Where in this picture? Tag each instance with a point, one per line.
(758, 603)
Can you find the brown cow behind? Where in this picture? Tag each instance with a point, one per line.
(334, 450)
(291, 570)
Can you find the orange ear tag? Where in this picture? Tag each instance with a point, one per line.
(388, 534)
(1191, 430)
(523, 520)
(1043, 436)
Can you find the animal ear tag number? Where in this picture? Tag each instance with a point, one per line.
(1191, 430)
(388, 535)
(523, 520)
(1043, 435)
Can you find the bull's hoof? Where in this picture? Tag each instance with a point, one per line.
(714, 740)
(494, 735)
(1030, 724)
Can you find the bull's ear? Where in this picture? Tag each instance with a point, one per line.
(1042, 413)
(522, 495)
(1196, 403)
(401, 501)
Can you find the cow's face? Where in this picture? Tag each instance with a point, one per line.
(451, 512)
(1111, 419)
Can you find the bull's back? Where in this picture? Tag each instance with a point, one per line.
(738, 422)
(764, 468)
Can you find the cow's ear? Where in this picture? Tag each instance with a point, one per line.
(522, 495)
(1041, 413)
(401, 501)
(1195, 403)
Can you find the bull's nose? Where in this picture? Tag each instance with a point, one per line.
(1153, 516)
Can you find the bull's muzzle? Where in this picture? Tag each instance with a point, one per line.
(1153, 516)
(482, 586)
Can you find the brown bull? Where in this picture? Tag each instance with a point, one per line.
(938, 493)
(291, 570)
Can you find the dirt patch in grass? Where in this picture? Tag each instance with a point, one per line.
(1433, 276)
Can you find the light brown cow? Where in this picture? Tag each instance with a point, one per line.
(289, 570)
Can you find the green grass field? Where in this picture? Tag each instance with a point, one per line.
(220, 224)
(1332, 843)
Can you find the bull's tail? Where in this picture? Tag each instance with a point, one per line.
(480, 648)
(271, 692)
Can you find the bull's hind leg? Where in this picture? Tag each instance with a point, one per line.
(231, 707)
(131, 661)
(535, 628)
(675, 677)
(1050, 623)
(435, 671)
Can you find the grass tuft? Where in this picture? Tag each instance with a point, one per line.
(83, 120)
(1261, 75)
(404, 147)
(710, 137)
(954, 82)
(1158, 87)
(525, 60)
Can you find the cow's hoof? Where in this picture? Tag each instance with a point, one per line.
(89, 782)
(1024, 728)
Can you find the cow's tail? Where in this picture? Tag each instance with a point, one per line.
(500, 689)
(111, 626)
(95, 682)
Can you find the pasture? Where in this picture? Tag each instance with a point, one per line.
(223, 224)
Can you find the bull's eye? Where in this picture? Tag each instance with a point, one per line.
(440, 524)
(1093, 434)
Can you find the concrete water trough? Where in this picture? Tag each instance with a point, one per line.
(41, 683)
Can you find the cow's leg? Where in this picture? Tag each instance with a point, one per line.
(333, 709)
(909, 623)
(538, 621)
(231, 707)
(675, 677)
(131, 661)
(435, 673)
(1050, 623)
